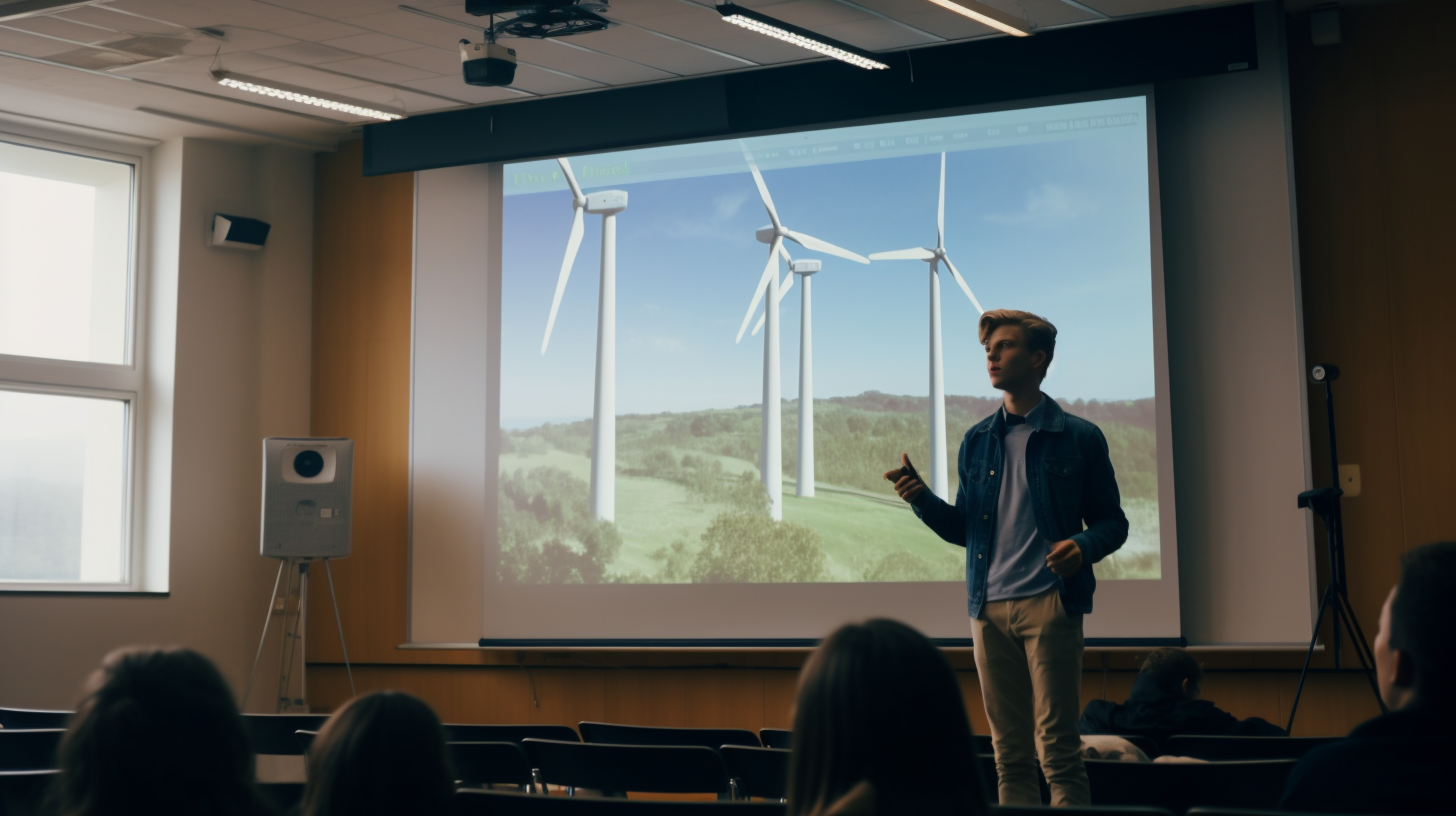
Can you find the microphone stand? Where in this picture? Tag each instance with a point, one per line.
(1325, 501)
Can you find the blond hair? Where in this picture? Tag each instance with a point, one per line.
(1041, 335)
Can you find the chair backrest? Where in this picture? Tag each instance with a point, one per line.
(649, 735)
(1181, 785)
(490, 763)
(284, 795)
(760, 772)
(32, 718)
(500, 803)
(983, 744)
(305, 739)
(455, 732)
(781, 738)
(23, 792)
(30, 749)
(276, 733)
(645, 768)
(1242, 748)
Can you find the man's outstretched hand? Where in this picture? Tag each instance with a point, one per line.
(1065, 558)
(907, 486)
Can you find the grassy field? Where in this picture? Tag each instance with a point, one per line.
(690, 506)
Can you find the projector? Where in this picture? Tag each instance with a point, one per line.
(487, 63)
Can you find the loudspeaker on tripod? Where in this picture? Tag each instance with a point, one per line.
(307, 497)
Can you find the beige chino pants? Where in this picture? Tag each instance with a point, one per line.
(1029, 661)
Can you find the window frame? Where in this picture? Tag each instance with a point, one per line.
(124, 381)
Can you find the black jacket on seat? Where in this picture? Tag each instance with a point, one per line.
(1152, 711)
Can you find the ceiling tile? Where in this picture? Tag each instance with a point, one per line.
(194, 13)
(58, 27)
(308, 78)
(422, 30)
(379, 70)
(107, 17)
(1119, 8)
(237, 39)
(307, 53)
(319, 31)
(372, 44)
(31, 45)
(529, 78)
(434, 60)
(602, 68)
(658, 52)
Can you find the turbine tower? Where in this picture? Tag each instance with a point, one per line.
(604, 409)
(804, 467)
(770, 452)
(939, 471)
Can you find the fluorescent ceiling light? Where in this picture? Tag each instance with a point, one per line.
(986, 15)
(802, 37)
(305, 96)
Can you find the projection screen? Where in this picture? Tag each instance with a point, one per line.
(625, 336)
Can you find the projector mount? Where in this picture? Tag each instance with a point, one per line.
(541, 19)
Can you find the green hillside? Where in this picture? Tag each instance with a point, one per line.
(690, 507)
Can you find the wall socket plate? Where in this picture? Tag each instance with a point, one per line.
(1350, 480)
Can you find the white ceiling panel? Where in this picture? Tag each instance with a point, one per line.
(237, 39)
(307, 53)
(319, 31)
(1119, 8)
(602, 68)
(309, 78)
(658, 52)
(57, 27)
(372, 44)
(872, 34)
(379, 70)
(30, 45)
(339, 9)
(196, 13)
(109, 17)
(421, 30)
(529, 78)
(434, 60)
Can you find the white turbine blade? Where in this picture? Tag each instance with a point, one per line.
(964, 287)
(572, 244)
(784, 252)
(783, 290)
(940, 209)
(762, 188)
(810, 242)
(570, 178)
(769, 269)
(916, 254)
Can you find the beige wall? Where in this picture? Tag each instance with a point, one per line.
(229, 364)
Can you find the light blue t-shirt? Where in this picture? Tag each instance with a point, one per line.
(1018, 554)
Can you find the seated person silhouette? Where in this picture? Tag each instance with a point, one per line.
(1164, 701)
(1397, 762)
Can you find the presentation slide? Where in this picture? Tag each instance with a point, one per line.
(654, 301)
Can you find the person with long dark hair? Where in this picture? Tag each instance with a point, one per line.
(159, 733)
(880, 729)
(382, 754)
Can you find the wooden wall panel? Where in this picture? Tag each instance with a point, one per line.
(1374, 171)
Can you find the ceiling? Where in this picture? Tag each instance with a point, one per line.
(140, 67)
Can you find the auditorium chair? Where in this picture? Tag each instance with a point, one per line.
(1213, 811)
(757, 772)
(479, 764)
(455, 732)
(781, 738)
(32, 718)
(620, 768)
(1182, 785)
(649, 735)
(472, 802)
(30, 749)
(1242, 748)
(1020, 810)
(284, 796)
(23, 792)
(277, 733)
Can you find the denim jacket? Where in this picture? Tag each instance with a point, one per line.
(1071, 481)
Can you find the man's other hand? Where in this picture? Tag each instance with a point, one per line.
(907, 486)
(1065, 558)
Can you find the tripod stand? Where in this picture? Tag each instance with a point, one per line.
(294, 632)
(1326, 502)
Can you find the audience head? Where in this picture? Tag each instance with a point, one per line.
(381, 754)
(1174, 671)
(158, 733)
(878, 703)
(1413, 649)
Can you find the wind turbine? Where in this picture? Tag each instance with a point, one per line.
(770, 452)
(939, 476)
(607, 204)
(804, 468)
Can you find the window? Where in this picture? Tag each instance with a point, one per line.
(69, 375)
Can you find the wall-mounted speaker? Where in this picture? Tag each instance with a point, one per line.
(307, 497)
(237, 232)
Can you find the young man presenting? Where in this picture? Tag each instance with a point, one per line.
(1030, 477)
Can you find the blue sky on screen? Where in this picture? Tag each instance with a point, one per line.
(1057, 227)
